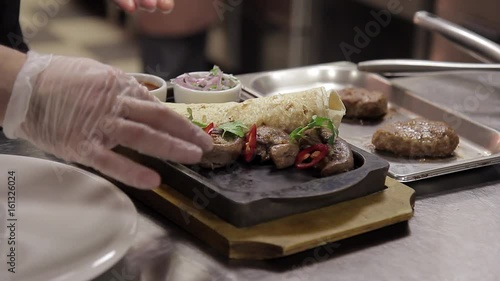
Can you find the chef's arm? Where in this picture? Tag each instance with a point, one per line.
(11, 62)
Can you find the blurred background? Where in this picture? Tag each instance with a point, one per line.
(250, 35)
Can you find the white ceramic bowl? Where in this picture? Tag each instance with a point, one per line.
(159, 86)
(186, 95)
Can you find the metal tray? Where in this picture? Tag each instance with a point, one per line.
(246, 195)
(479, 145)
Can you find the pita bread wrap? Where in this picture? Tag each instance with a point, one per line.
(284, 111)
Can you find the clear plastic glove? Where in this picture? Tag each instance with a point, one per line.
(78, 109)
(148, 5)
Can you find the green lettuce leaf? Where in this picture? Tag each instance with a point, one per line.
(190, 117)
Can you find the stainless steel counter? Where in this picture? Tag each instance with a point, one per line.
(453, 235)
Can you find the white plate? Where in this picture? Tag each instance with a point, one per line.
(71, 224)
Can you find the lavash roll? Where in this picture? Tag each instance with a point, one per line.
(284, 111)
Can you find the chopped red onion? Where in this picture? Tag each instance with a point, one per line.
(213, 80)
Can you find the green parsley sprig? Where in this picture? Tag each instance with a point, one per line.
(236, 128)
(316, 122)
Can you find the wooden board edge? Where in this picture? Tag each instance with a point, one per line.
(260, 251)
(174, 206)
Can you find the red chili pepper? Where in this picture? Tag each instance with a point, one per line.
(208, 129)
(315, 153)
(250, 143)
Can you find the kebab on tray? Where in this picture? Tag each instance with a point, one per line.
(297, 130)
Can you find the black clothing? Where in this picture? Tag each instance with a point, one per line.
(10, 30)
(169, 57)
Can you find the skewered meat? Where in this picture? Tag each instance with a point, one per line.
(363, 104)
(417, 138)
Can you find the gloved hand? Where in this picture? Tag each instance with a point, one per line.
(78, 109)
(149, 5)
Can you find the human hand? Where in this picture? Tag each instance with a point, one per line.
(148, 5)
(79, 109)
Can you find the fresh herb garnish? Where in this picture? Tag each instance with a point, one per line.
(235, 128)
(215, 70)
(190, 117)
(316, 122)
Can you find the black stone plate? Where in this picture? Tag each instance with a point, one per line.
(246, 195)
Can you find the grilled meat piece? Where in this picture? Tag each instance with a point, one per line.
(340, 159)
(325, 134)
(311, 137)
(266, 138)
(225, 151)
(417, 138)
(275, 144)
(363, 104)
(283, 155)
(270, 136)
(314, 136)
(261, 151)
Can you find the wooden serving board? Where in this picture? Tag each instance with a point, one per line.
(287, 235)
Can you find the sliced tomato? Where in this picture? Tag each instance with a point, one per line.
(250, 144)
(310, 156)
(208, 129)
